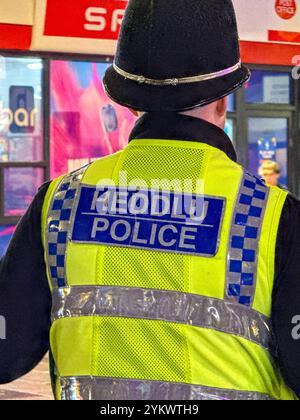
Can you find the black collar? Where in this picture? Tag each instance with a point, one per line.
(172, 126)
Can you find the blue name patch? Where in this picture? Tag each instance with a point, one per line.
(149, 219)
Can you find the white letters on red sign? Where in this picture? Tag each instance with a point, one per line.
(117, 19)
(96, 19)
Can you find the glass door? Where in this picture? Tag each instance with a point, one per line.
(22, 160)
(268, 141)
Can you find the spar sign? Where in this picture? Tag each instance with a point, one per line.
(269, 20)
(90, 27)
(90, 19)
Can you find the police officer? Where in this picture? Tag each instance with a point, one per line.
(172, 272)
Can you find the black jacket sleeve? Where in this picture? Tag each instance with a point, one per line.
(25, 299)
(286, 297)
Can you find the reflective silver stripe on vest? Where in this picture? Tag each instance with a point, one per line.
(104, 389)
(161, 305)
(59, 222)
(244, 238)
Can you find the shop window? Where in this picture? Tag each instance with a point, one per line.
(22, 165)
(84, 123)
(20, 185)
(229, 129)
(231, 103)
(268, 140)
(6, 233)
(269, 87)
(21, 131)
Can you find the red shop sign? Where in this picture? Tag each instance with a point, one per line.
(99, 19)
(286, 9)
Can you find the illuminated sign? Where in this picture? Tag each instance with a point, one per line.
(268, 20)
(286, 9)
(20, 117)
(94, 28)
(89, 21)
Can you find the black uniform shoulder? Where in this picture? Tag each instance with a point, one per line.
(25, 298)
(290, 219)
(288, 234)
(286, 294)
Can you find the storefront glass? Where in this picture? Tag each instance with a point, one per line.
(21, 185)
(268, 87)
(268, 140)
(229, 129)
(21, 138)
(231, 103)
(21, 130)
(85, 124)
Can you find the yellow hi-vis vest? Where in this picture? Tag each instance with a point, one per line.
(161, 265)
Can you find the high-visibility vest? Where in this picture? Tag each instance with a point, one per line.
(161, 264)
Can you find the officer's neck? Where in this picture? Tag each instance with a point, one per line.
(214, 113)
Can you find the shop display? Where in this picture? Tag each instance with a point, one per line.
(85, 123)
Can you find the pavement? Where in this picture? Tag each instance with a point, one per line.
(34, 386)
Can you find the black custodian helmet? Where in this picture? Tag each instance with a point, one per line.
(175, 55)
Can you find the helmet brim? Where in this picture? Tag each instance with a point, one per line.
(148, 98)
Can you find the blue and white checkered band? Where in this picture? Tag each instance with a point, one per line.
(59, 223)
(244, 240)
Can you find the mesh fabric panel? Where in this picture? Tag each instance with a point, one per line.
(139, 349)
(163, 162)
(139, 268)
